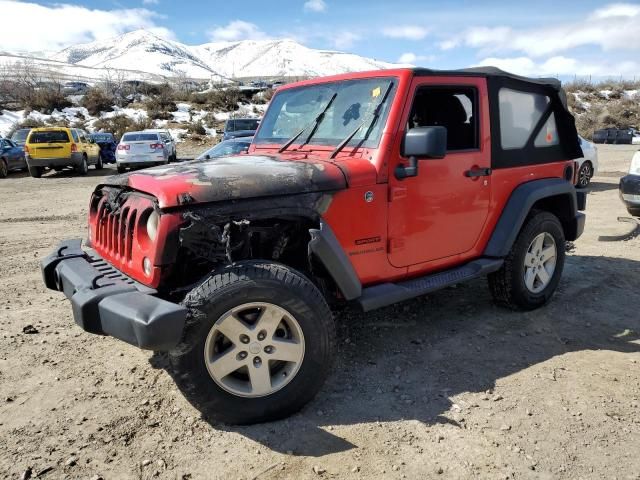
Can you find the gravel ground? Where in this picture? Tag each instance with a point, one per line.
(446, 386)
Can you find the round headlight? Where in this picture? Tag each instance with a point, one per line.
(146, 266)
(152, 225)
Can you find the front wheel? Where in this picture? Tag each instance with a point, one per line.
(4, 169)
(532, 270)
(258, 344)
(99, 163)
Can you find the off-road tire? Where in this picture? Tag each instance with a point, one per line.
(584, 174)
(4, 169)
(507, 285)
(243, 282)
(99, 163)
(121, 169)
(35, 172)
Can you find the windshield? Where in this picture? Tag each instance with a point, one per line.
(20, 135)
(226, 148)
(102, 137)
(355, 102)
(242, 124)
(139, 137)
(49, 136)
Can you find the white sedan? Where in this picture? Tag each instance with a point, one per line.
(587, 165)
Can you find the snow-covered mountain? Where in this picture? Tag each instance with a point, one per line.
(143, 51)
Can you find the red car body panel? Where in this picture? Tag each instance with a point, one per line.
(389, 228)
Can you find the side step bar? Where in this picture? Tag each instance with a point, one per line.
(390, 293)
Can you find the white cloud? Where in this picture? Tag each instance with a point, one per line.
(614, 26)
(560, 65)
(315, 6)
(407, 32)
(345, 40)
(237, 30)
(413, 59)
(60, 25)
(448, 44)
(150, 2)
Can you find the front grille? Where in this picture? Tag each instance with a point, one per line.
(115, 229)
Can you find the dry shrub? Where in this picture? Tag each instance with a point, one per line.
(47, 100)
(96, 100)
(120, 124)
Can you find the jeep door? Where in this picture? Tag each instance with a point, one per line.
(441, 212)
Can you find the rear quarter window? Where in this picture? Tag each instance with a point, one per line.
(74, 134)
(49, 136)
(520, 112)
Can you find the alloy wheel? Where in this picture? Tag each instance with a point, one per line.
(254, 349)
(540, 262)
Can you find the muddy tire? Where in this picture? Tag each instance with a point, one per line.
(258, 343)
(4, 169)
(532, 270)
(35, 172)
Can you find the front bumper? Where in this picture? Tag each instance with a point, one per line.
(630, 193)
(107, 302)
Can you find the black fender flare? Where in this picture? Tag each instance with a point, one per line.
(327, 249)
(518, 207)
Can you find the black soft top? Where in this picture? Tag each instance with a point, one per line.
(488, 72)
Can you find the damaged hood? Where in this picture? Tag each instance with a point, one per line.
(231, 178)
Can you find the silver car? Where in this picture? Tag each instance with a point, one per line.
(140, 150)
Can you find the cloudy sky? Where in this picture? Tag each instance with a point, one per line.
(544, 37)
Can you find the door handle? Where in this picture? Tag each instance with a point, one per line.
(478, 172)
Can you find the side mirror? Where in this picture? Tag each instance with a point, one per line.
(421, 143)
(425, 142)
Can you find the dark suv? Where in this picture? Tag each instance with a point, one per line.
(371, 188)
(240, 127)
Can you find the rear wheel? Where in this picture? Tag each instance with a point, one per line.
(83, 168)
(584, 174)
(121, 169)
(532, 270)
(36, 172)
(4, 169)
(99, 163)
(258, 344)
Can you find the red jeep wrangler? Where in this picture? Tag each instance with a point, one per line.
(373, 188)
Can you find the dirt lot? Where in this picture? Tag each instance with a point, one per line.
(446, 386)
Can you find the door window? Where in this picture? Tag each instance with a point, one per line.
(455, 108)
(74, 134)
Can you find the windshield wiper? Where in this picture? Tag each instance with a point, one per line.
(374, 116)
(316, 121)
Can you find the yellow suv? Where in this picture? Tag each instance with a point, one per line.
(60, 147)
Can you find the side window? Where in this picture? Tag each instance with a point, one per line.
(520, 112)
(83, 138)
(455, 108)
(74, 134)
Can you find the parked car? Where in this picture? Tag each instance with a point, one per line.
(107, 144)
(614, 135)
(75, 88)
(11, 157)
(169, 142)
(240, 127)
(19, 137)
(60, 147)
(227, 147)
(142, 149)
(588, 164)
(370, 187)
(630, 187)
